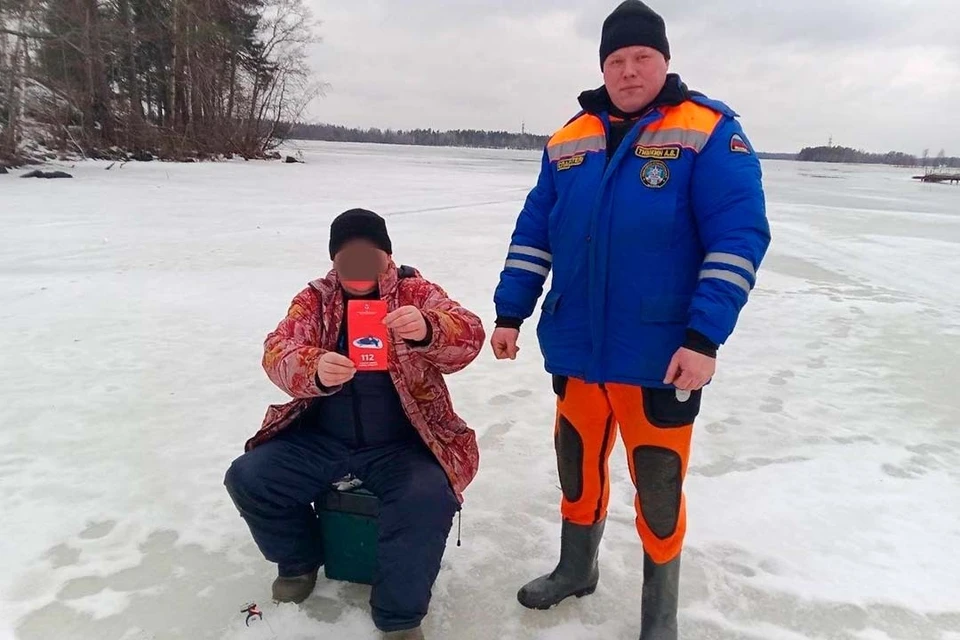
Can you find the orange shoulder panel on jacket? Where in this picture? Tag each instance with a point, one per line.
(690, 116)
(585, 126)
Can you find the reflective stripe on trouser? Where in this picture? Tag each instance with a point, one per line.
(656, 429)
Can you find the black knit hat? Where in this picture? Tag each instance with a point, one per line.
(633, 24)
(355, 224)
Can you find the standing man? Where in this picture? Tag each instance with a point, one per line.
(650, 212)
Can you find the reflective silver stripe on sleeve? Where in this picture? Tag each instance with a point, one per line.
(728, 276)
(573, 147)
(688, 138)
(527, 266)
(530, 251)
(732, 260)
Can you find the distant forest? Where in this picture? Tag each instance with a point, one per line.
(895, 158)
(776, 156)
(434, 138)
(421, 137)
(509, 140)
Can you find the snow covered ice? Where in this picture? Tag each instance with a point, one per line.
(824, 490)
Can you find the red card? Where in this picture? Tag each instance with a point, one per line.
(367, 335)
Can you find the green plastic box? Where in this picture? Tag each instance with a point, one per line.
(350, 524)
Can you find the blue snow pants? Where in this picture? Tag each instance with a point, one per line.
(274, 485)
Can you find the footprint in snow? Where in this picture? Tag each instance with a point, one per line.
(505, 399)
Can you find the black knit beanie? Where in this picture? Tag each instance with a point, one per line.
(633, 24)
(356, 224)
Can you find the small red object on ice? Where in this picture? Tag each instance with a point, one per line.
(252, 611)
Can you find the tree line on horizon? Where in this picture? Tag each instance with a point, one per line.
(421, 137)
(510, 140)
(893, 158)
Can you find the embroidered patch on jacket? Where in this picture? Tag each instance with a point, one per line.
(658, 153)
(654, 174)
(737, 144)
(569, 163)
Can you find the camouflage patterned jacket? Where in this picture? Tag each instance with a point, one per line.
(311, 329)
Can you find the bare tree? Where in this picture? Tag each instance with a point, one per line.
(179, 77)
(13, 61)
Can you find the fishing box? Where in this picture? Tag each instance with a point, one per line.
(349, 520)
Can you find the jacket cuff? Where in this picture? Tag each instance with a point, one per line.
(507, 322)
(325, 390)
(696, 341)
(427, 340)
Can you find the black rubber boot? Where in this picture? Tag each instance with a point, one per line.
(660, 600)
(295, 589)
(576, 574)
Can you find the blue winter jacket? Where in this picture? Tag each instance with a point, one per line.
(664, 236)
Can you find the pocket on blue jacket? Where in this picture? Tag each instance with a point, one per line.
(550, 302)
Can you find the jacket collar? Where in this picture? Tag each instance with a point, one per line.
(597, 101)
(388, 282)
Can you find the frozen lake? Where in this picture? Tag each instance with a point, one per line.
(824, 490)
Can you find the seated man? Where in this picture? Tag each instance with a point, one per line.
(395, 430)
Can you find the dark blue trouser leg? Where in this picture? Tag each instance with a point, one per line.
(274, 485)
(417, 507)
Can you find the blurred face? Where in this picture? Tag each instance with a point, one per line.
(359, 265)
(634, 76)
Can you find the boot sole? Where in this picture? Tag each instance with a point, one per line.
(297, 600)
(576, 594)
(288, 601)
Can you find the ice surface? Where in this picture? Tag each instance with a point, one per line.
(824, 488)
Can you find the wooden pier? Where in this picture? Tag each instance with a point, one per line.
(951, 178)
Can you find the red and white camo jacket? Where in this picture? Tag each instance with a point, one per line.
(311, 328)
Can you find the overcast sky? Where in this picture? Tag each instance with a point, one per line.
(874, 74)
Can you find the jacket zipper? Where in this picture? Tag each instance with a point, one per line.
(354, 397)
(598, 298)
